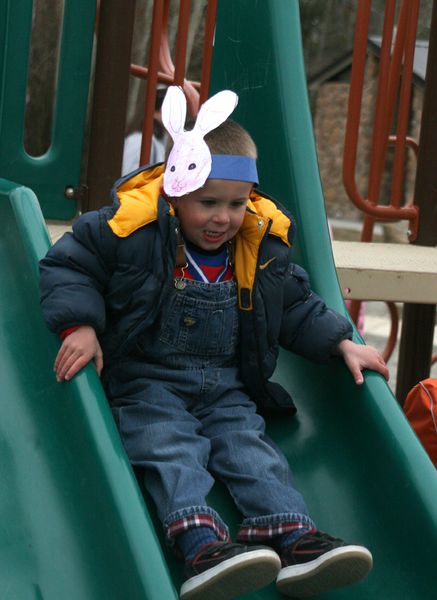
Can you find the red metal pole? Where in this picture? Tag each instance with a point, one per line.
(388, 83)
(207, 50)
(418, 320)
(409, 22)
(152, 80)
(182, 38)
(380, 127)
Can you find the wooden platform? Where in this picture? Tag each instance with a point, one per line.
(380, 271)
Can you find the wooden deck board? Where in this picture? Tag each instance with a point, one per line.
(380, 271)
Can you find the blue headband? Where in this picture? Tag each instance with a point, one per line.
(228, 166)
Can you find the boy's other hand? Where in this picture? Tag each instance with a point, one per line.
(358, 357)
(76, 351)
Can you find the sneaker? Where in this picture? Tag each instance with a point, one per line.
(223, 570)
(318, 562)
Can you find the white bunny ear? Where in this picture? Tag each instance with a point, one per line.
(174, 110)
(214, 111)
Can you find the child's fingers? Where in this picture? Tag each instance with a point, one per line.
(378, 364)
(359, 379)
(60, 357)
(62, 360)
(66, 363)
(78, 349)
(357, 375)
(77, 365)
(383, 369)
(354, 367)
(71, 363)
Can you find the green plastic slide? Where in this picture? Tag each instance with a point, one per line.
(75, 524)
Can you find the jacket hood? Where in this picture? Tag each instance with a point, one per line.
(135, 200)
(136, 196)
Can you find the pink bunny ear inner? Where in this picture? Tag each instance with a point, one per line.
(174, 111)
(215, 111)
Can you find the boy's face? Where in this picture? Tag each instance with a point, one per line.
(212, 215)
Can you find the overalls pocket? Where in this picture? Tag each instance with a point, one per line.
(201, 326)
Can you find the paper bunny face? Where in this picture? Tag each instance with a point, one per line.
(189, 162)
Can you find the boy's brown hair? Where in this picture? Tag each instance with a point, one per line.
(231, 138)
(228, 138)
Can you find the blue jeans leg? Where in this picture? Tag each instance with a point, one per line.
(183, 430)
(245, 459)
(163, 438)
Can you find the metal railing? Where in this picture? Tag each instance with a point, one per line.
(393, 95)
(392, 110)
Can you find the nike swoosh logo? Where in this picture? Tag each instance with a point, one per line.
(266, 264)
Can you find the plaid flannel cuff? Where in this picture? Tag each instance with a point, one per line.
(258, 533)
(197, 519)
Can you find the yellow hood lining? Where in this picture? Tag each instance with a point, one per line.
(138, 197)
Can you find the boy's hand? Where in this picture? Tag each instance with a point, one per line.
(76, 351)
(358, 357)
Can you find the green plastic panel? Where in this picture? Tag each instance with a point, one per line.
(48, 175)
(74, 523)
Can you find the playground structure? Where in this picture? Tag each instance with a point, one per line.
(394, 271)
(74, 521)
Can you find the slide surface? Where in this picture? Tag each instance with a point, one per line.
(74, 522)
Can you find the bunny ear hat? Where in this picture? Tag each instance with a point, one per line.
(189, 162)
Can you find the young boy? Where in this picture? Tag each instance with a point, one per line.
(186, 293)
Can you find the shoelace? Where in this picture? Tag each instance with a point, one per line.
(210, 549)
(324, 540)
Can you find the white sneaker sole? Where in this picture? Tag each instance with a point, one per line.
(238, 575)
(337, 568)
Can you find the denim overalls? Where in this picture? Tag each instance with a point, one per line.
(185, 418)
